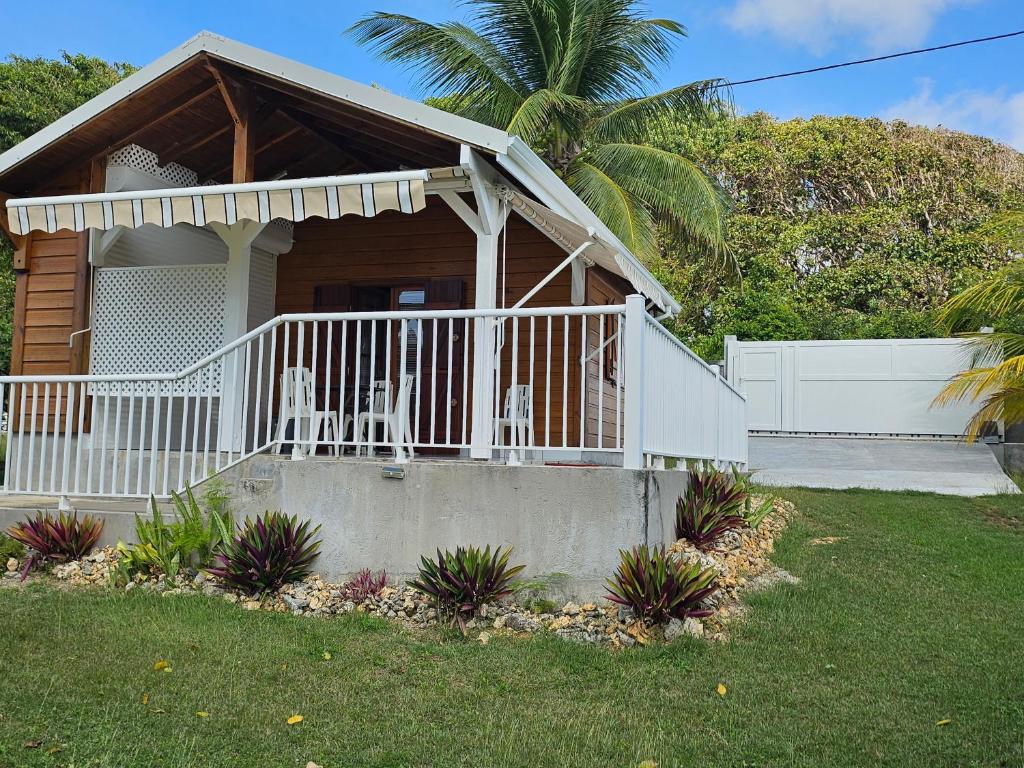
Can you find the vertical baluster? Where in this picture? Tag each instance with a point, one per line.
(372, 436)
(433, 383)
(513, 438)
(499, 402)
(30, 484)
(600, 380)
(117, 438)
(465, 378)
(43, 437)
(154, 444)
(287, 387)
(314, 429)
(547, 387)
(214, 370)
(83, 391)
(102, 458)
(246, 399)
(583, 381)
(357, 385)
(389, 404)
(21, 437)
(193, 389)
(257, 410)
(270, 383)
(129, 437)
(10, 480)
(448, 385)
(166, 476)
(55, 440)
(6, 412)
(300, 363)
(186, 397)
(69, 407)
(140, 458)
(530, 439)
(329, 341)
(565, 381)
(342, 382)
(419, 384)
(618, 382)
(403, 338)
(93, 408)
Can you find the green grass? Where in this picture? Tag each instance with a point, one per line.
(915, 615)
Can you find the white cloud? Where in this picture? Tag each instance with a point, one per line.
(815, 24)
(997, 114)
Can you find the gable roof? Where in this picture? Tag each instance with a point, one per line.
(510, 153)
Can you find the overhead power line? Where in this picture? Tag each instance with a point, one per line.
(873, 59)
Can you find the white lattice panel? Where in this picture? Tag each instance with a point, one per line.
(159, 320)
(142, 159)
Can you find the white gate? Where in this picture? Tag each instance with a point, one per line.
(862, 387)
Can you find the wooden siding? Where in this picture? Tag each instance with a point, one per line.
(602, 288)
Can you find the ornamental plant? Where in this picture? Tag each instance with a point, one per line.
(658, 586)
(364, 584)
(271, 550)
(55, 539)
(713, 504)
(460, 582)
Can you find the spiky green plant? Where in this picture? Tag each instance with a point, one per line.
(571, 78)
(658, 587)
(55, 539)
(995, 377)
(460, 582)
(267, 552)
(712, 504)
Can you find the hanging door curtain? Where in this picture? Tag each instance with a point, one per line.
(329, 198)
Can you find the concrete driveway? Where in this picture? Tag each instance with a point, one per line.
(892, 465)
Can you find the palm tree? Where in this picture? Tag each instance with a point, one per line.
(996, 376)
(569, 77)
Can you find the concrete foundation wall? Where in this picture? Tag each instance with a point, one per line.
(565, 523)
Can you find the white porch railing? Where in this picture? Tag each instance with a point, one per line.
(556, 388)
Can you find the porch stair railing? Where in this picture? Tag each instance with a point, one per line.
(133, 436)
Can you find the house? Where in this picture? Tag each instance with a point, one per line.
(231, 260)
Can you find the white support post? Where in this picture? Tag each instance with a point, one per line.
(633, 368)
(238, 238)
(718, 415)
(490, 226)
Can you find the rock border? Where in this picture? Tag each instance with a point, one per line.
(740, 557)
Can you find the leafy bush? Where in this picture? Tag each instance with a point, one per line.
(364, 584)
(269, 551)
(56, 539)
(10, 548)
(712, 505)
(460, 582)
(659, 587)
(191, 539)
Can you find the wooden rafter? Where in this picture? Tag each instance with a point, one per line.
(239, 101)
(193, 142)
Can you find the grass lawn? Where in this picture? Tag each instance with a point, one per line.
(914, 616)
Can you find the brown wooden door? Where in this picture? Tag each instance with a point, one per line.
(432, 384)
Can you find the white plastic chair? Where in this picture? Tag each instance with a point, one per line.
(298, 405)
(523, 421)
(397, 419)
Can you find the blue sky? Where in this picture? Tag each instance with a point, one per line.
(977, 88)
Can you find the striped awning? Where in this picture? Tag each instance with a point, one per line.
(329, 198)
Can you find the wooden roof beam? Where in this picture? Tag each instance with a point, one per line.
(284, 136)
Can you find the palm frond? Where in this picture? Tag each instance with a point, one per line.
(544, 107)
(624, 214)
(633, 120)
(676, 190)
(526, 31)
(1001, 295)
(452, 59)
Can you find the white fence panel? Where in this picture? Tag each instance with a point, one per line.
(860, 387)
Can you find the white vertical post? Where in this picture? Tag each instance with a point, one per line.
(718, 415)
(633, 368)
(238, 238)
(489, 224)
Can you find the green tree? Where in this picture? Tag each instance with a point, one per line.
(34, 93)
(844, 227)
(571, 77)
